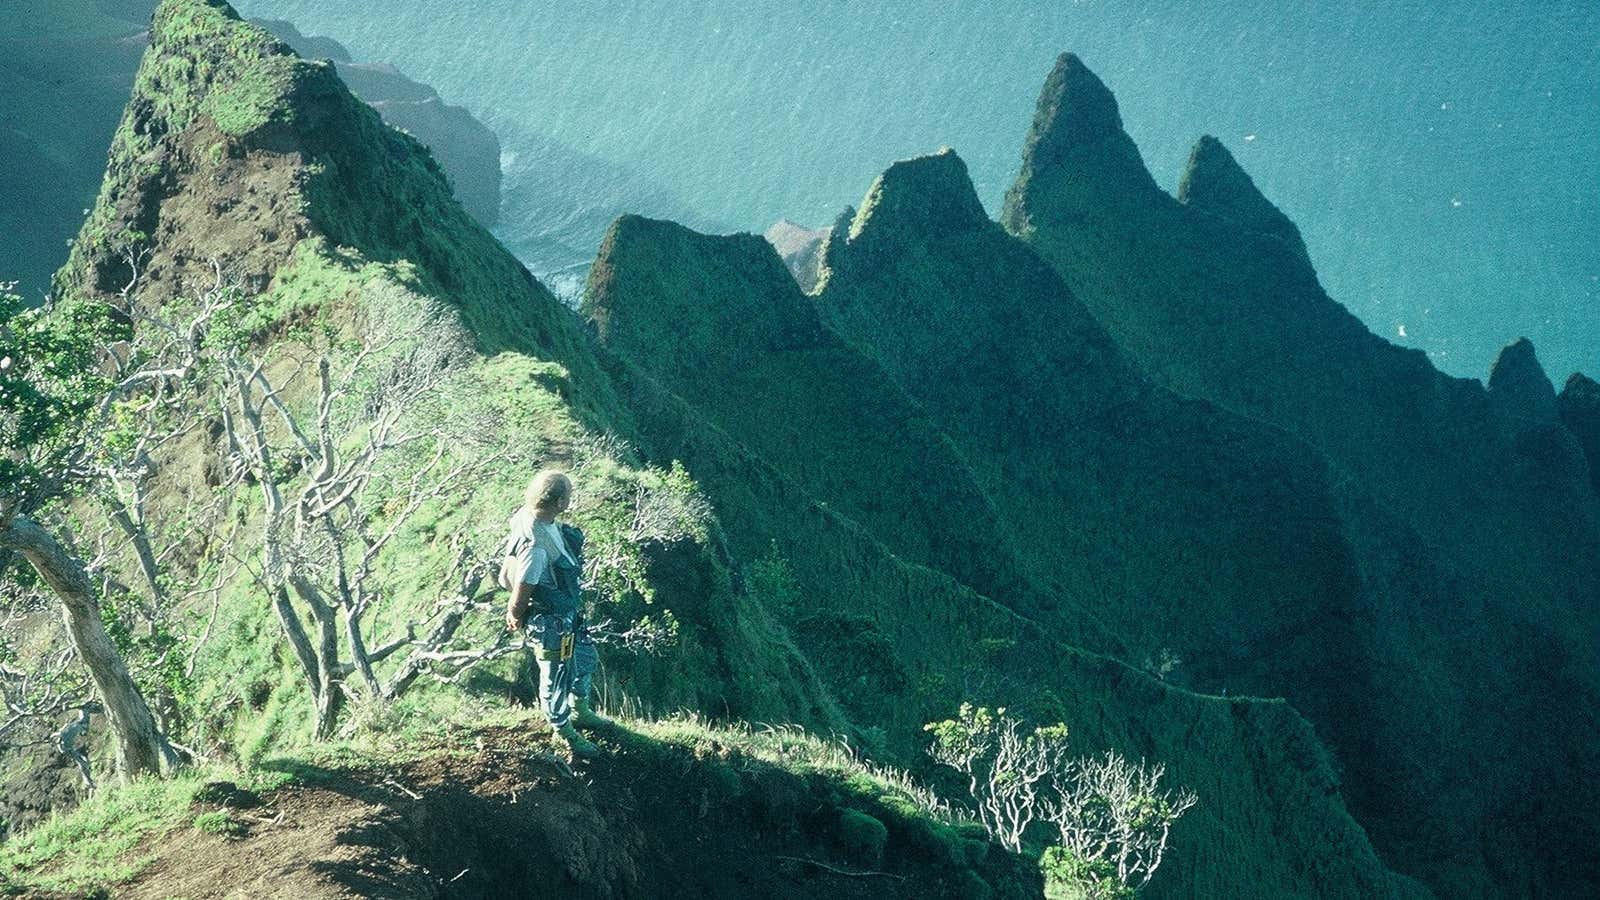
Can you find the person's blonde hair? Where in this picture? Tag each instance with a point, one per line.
(549, 492)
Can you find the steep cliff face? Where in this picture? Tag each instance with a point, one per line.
(800, 249)
(1579, 406)
(1213, 298)
(859, 453)
(464, 147)
(745, 344)
(65, 74)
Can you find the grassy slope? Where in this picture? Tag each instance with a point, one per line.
(1178, 525)
(767, 372)
(228, 135)
(745, 343)
(357, 222)
(1212, 299)
(1270, 824)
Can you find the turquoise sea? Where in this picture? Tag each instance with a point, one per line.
(1442, 160)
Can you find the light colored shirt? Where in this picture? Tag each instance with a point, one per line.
(539, 542)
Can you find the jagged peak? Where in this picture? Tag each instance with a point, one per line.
(1580, 385)
(1214, 181)
(924, 194)
(1075, 107)
(1076, 129)
(1212, 174)
(667, 293)
(1519, 385)
(1579, 408)
(235, 152)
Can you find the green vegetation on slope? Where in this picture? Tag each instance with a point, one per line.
(328, 221)
(1491, 606)
(899, 642)
(747, 342)
(824, 591)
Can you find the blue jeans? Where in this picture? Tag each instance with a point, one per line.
(561, 682)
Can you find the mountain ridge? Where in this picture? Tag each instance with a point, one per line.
(978, 488)
(1215, 308)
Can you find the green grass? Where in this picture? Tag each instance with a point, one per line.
(915, 640)
(250, 696)
(218, 822)
(96, 844)
(796, 750)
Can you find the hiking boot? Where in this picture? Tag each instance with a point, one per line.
(581, 747)
(583, 714)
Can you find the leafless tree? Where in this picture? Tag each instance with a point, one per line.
(342, 465)
(1111, 811)
(1112, 815)
(1008, 768)
(143, 374)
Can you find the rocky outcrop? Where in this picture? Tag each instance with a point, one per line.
(1579, 406)
(1519, 386)
(64, 91)
(241, 168)
(466, 149)
(800, 248)
(1214, 181)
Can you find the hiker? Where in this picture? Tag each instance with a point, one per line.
(543, 565)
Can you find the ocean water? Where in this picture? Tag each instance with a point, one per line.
(1440, 159)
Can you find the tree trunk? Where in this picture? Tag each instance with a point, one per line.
(295, 634)
(358, 653)
(139, 746)
(319, 661)
(331, 696)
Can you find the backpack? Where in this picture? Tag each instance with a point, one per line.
(513, 559)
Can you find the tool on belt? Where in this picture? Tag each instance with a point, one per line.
(556, 642)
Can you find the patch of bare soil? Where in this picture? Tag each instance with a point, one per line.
(502, 817)
(307, 842)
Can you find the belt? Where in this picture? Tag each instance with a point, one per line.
(561, 653)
